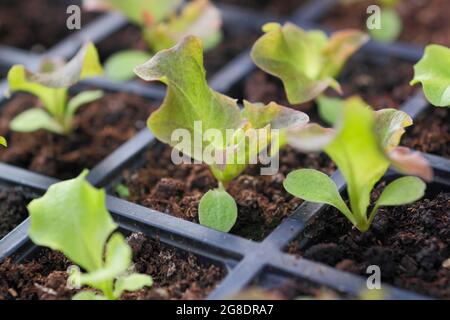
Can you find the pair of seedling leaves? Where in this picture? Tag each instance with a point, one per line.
(189, 99)
(162, 27)
(72, 218)
(51, 85)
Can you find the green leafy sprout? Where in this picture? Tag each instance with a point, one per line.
(307, 62)
(189, 100)
(72, 218)
(162, 28)
(363, 146)
(51, 86)
(433, 72)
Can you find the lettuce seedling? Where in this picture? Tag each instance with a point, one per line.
(307, 62)
(433, 72)
(162, 28)
(363, 147)
(194, 119)
(72, 218)
(51, 86)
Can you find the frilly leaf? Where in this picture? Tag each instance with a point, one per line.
(72, 218)
(83, 65)
(199, 18)
(189, 98)
(434, 73)
(278, 117)
(410, 162)
(306, 62)
(390, 125)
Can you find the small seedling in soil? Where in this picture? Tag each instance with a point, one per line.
(51, 86)
(162, 28)
(72, 218)
(364, 146)
(433, 72)
(207, 126)
(307, 62)
(386, 24)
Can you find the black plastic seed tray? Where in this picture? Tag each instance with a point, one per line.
(248, 263)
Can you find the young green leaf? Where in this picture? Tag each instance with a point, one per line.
(433, 72)
(132, 282)
(315, 186)
(3, 141)
(399, 192)
(391, 26)
(81, 99)
(51, 87)
(330, 109)
(120, 65)
(56, 225)
(72, 218)
(402, 191)
(217, 210)
(35, 119)
(306, 62)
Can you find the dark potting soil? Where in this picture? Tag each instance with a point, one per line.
(176, 275)
(424, 21)
(410, 244)
(13, 208)
(35, 25)
(231, 46)
(382, 86)
(178, 189)
(274, 7)
(101, 127)
(430, 133)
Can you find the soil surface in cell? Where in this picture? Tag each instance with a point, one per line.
(13, 208)
(100, 128)
(35, 25)
(383, 84)
(410, 244)
(430, 133)
(424, 21)
(178, 189)
(231, 45)
(176, 275)
(274, 7)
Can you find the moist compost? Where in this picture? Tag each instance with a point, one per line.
(176, 275)
(424, 21)
(231, 46)
(430, 133)
(381, 83)
(274, 7)
(101, 127)
(178, 189)
(23, 24)
(13, 208)
(409, 243)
